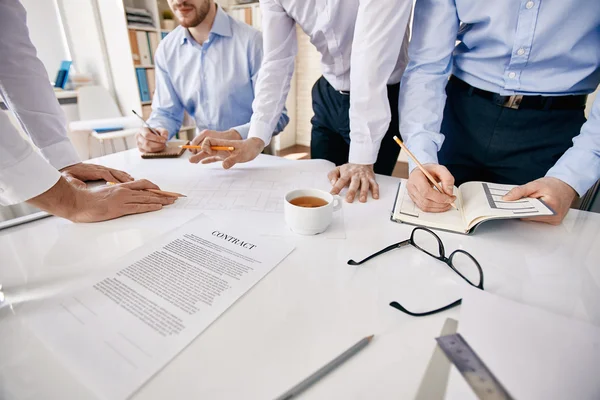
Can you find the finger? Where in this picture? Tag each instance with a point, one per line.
(519, 192)
(149, 147)
(374, 188)
(424, 204)
(353, 188)
(364, 189)
(199, 157)
(334, 175)
(129, 209)
(200, 138)
(212, 159)
(231, 160)
(149, 199)
(426, 190)
(444, 176)
(141, 184)
(341, 183)
(151, 137)
(108, 177)
(75, 182)
(121, 176)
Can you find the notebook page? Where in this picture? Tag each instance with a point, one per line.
(483, 201)
(406, 210)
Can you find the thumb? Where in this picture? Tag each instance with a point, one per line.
(519, 192)
(444, 176)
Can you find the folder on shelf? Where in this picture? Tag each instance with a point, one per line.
(151, 79)
(144, 48)
(135, 51)
(152, 43)
(143, 84)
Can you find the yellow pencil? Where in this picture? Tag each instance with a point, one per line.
(156, 191)
(216, 148)
(420, 166)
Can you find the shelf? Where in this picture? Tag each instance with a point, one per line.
(143, 65)
(187, 127)
(166, 30)
(142, 28)
(242, 6)
(145, 103)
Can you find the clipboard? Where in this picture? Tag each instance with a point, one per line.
(172, 150)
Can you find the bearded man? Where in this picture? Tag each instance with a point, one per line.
(207, 66)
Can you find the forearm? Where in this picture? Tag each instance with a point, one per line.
(422, 92)
(579, 167)
(274, 77)
(59, 200)
(164, 119)
(25, 88)
(376, 51)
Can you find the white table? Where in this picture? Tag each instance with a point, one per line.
(309, 308)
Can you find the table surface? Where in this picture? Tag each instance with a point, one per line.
(309, 308)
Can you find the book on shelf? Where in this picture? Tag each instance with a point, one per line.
(143, 84)
(139, 16)
(135, 51)
(163, 34)
(256, 17)
(152, 43)
(476, 202)
(144, 48)
(146, 111)
(151, 79)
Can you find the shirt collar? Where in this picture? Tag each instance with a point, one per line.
(221, 26)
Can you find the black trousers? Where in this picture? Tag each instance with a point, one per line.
(486, 142)
(330, 138)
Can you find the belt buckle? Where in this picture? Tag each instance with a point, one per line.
(513, 101)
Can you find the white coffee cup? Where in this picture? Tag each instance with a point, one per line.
(310, 220)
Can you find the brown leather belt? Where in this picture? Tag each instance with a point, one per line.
(518, 101)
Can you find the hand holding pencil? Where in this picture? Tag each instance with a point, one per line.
(424, 185)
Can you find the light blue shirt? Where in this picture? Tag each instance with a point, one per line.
(529, 47)
(214, 82)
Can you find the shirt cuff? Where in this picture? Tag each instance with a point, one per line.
(424, 149)
(578, 168)
(363, 153)
(26, 179)
(243, 130)
(61, 154)
(261, 130)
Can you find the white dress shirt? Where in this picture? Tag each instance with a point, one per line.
(363, 46)
(25, 89)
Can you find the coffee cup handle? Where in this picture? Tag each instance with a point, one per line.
(337, 203)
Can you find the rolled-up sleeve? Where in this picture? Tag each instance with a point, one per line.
(579, 167)
(422, 93)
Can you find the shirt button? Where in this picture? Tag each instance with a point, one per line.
(512, 75)
(529, 5)
(521, 51)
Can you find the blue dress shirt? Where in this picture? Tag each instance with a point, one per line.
(214, 82)
(529, 47)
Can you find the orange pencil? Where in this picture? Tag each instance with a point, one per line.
(420, 166)
(161, 192)
(216, 148)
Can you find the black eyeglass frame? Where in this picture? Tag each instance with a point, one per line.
(442, 257)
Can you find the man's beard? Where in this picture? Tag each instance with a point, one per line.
(201, 14)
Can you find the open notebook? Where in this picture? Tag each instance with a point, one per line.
(171, 151)
(477, 202)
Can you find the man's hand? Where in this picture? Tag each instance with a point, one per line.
(555, 193)
(101, 203)
(79, 173)
(148, 142)
(244, 151)
(423, 193)
(231, 134)
(358, 177)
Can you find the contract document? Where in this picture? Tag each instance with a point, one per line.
(117, 332)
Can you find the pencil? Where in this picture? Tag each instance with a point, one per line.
(145, 123)
(333, 364)
(216, 148)
(420, 166)
(157, 191)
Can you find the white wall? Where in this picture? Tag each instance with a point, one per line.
(46, 33)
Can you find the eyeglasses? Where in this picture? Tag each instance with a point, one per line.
(461, 262)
